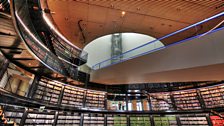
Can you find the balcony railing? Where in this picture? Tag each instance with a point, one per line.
(28, 34)
(140, 50)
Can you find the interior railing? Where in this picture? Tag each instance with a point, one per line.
(70, 48)
(29, 35)
(196, 29)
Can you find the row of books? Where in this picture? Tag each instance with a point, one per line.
(95, 99)
(46, 117)
(212, 97)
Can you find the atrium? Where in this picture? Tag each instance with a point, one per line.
(111, 63)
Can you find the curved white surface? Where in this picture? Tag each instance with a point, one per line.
(100, 49)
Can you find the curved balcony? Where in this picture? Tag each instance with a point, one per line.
(39, 44)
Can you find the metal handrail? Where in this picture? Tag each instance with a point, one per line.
(99, 65)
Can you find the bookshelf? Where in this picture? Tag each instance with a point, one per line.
(68, 119)
(161, 101)
(93, 119)
(165, 120)
(186, 100)
(48, 92)
(73, 96)
(95, 99)
(40, 118)
(116, 120)
(14, 115)
(191, 120)
(140, 120)
(217, 121)
(213, 96)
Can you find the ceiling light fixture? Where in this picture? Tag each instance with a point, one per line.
(123, 13)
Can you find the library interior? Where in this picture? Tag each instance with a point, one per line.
(111, 63)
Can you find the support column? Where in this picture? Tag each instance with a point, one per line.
(84, 99)
(128, 120)
(4, 67)
(200, 98)
(81, 119)
(208, 119)
(33, 86)
(55, 118)
(151, 120)
(126, 99)
(150, 103)
(105, 99)
(173, 101)
(178, 120)
(105, 119)
(86, 86)
(61, 95)
(23, 119)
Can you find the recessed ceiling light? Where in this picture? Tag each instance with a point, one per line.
(123, 13)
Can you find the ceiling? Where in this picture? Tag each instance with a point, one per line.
(151, 17)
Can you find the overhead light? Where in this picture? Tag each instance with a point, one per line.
(123, 13)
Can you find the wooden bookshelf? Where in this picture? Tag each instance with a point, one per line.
(186, 100)
(116, 120)
(217, 121)
(40, 118)
(192, 120)
(73, 96)
(140, 120)
(48, 92)
(93, 120)
(165, 120)
(161, 101)
(213, 96)
(95, 99)
(14, 115)
(68, 119)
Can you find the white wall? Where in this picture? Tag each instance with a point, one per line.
(100, 49)
(133, 40)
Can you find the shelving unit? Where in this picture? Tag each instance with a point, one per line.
(73, 96)
(40, 118)
(213, 96)
(116, 120)
(142, 120)
(161, 101)
(165, 120)
(217, 121)
(14, 115)
(93, 120)
(191, 120)
(186, 100)
(48, 92)
(95, 99)
(68, 119)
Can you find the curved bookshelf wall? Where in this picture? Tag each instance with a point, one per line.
(51, 102)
